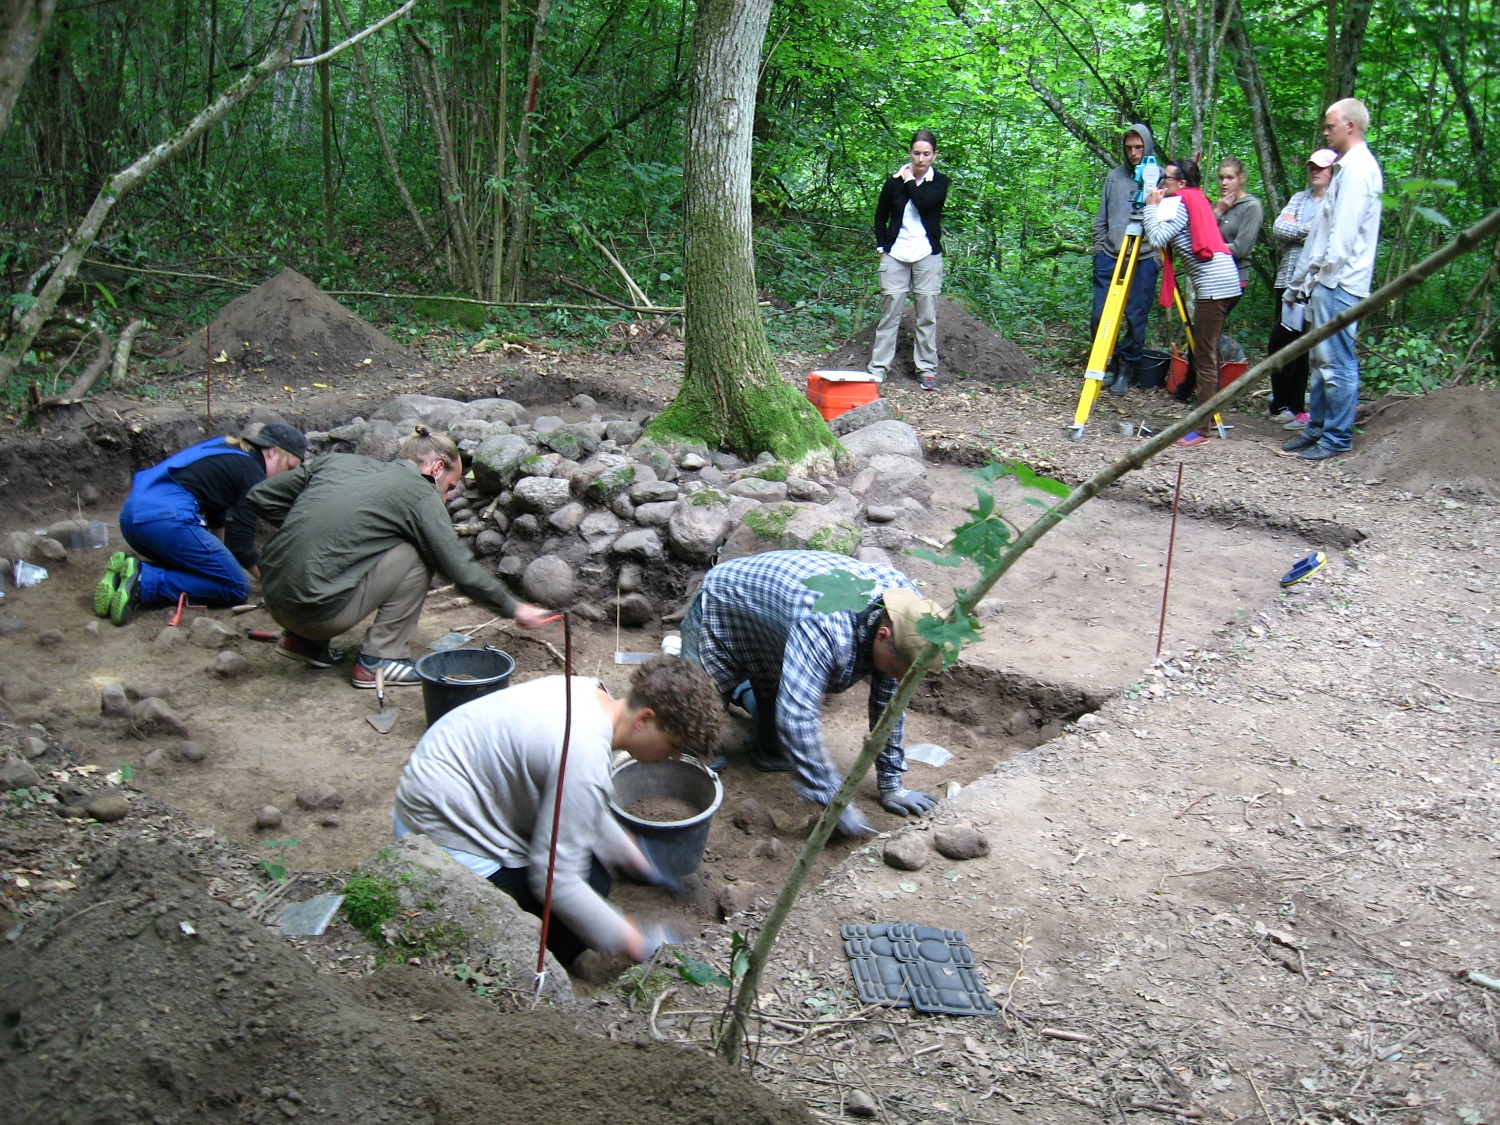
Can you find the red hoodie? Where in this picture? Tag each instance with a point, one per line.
(1203, 232)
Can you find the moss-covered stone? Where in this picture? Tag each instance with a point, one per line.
(841, 538)
(769, 523)
(709, 497)
(770, 472)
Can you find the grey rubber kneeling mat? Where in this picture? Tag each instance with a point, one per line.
(921, 967)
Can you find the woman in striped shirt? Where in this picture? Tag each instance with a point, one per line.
(1180, 220)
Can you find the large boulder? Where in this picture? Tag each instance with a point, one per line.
(890, 437)
(442, 910)
(436, 414)
(642, 544)
(549, 581)
(698, 525)
(542, 494)
(499, 459)
(574, 440)
(896, 477)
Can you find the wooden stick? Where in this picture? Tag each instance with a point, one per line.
(1166, 585)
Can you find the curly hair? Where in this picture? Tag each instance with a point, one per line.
(684, 698)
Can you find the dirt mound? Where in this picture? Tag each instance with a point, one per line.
(968, 348)
(143, 999)
(289, 327)
(1449, 439)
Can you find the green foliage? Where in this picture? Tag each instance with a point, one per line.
(277, 868)
(370, 901)
(771, 473)
(460, 314)
(840, 591)
(702, 973)
(1407, 361)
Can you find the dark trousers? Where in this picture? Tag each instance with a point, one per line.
(563, 942)
(1208, 326)
(1289, 385)
(1137, 302)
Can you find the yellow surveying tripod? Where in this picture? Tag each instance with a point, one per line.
(1114, 309)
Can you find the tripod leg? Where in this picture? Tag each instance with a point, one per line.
(1109, 329)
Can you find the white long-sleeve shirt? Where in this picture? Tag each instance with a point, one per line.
(1340, 247)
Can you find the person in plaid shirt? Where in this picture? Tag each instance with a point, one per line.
(752, 628)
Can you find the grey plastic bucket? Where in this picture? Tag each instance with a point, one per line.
(674, 846)
(483, 670)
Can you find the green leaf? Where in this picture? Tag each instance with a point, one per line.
(840, 591)
(950, 636)
(698, 972)
(1433, 215)
(108, 296)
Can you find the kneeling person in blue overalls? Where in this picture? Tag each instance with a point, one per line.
(187, 520)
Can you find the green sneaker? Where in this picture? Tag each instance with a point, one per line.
(104, 593)
(127, 597)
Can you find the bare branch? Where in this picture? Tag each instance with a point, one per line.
(340, 48)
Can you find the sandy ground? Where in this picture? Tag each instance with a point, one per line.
(1239, 890)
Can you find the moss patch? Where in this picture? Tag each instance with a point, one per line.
(370, 901)
(709, 498)
(760, 417)
(840, 538)
(770, 522)
(459, 314)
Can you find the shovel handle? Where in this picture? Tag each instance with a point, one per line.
(380, 686)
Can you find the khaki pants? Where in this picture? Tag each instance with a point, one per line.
(924, 280)
(393, 590)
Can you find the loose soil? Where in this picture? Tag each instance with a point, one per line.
(663, 810)
(969, 350)
(1449, 439)
(1238, 881)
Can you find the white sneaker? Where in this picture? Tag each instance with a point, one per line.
(1283, 416)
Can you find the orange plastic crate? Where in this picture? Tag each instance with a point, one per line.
(835, 397)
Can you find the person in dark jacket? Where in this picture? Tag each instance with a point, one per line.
(358, 537)
(187, 519)
(1116, 205)
(909, 238)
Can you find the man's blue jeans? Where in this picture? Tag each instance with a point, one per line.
(1333, 382)
(1137, 302)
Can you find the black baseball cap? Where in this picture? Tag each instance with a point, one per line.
(282, 436)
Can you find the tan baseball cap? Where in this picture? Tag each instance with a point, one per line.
(1323, 158)
(906, 609)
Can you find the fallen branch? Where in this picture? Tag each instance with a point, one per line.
(1067, 1036)
(1469, 976)
(1456, 695)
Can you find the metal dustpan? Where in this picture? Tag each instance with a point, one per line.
(384, 719)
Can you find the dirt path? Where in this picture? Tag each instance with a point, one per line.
(1241, 888)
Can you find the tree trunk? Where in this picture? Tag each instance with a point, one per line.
(1262, 126)
(325, 113)
(1343, 47)
(521, 202)
(731, 396)
(23, 25)
(380, 131)
(502, 125)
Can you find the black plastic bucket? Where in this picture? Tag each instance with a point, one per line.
(673, 846)
(451, 679)
(1151, 369)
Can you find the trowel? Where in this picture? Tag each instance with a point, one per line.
(384, 719)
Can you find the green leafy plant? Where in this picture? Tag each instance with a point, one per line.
(702, 973)
(369, 903)
(277, 868)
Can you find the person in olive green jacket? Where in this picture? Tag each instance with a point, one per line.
(358, 536)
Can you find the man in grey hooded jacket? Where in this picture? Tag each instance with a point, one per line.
(1109, 232)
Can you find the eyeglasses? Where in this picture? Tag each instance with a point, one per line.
(1174, 179)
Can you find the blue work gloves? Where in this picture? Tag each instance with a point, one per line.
(907, 802)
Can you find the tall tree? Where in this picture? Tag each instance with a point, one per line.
(23, 24)
(731, 396)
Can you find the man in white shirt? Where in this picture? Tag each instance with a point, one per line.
(1338, 264)
(909, 238)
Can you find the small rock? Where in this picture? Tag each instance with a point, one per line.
(155, 760)
(191, 752)
(629, 580)
(961, 841)
(50, 638)
(49, 550)
(91, 629)
(879, 513)
(108, 809)
(632, 610)
(10, 626)
(799, 488)
(692, 462)
(769, 848)
(906, 851)
(328, 821)
(734, 898)
(954, 789)
(752, 817)
(113, 701)
(71, 812)
(205, 632)
(168, 639)
(231, 665)
(857, 1103)
(1089, 721)
(319, 797)
(153, 715)
(32, 747)
(148, 690)
(269, 817)
(17, 773)
(583, 402)
(643, 544)
(567, 518)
